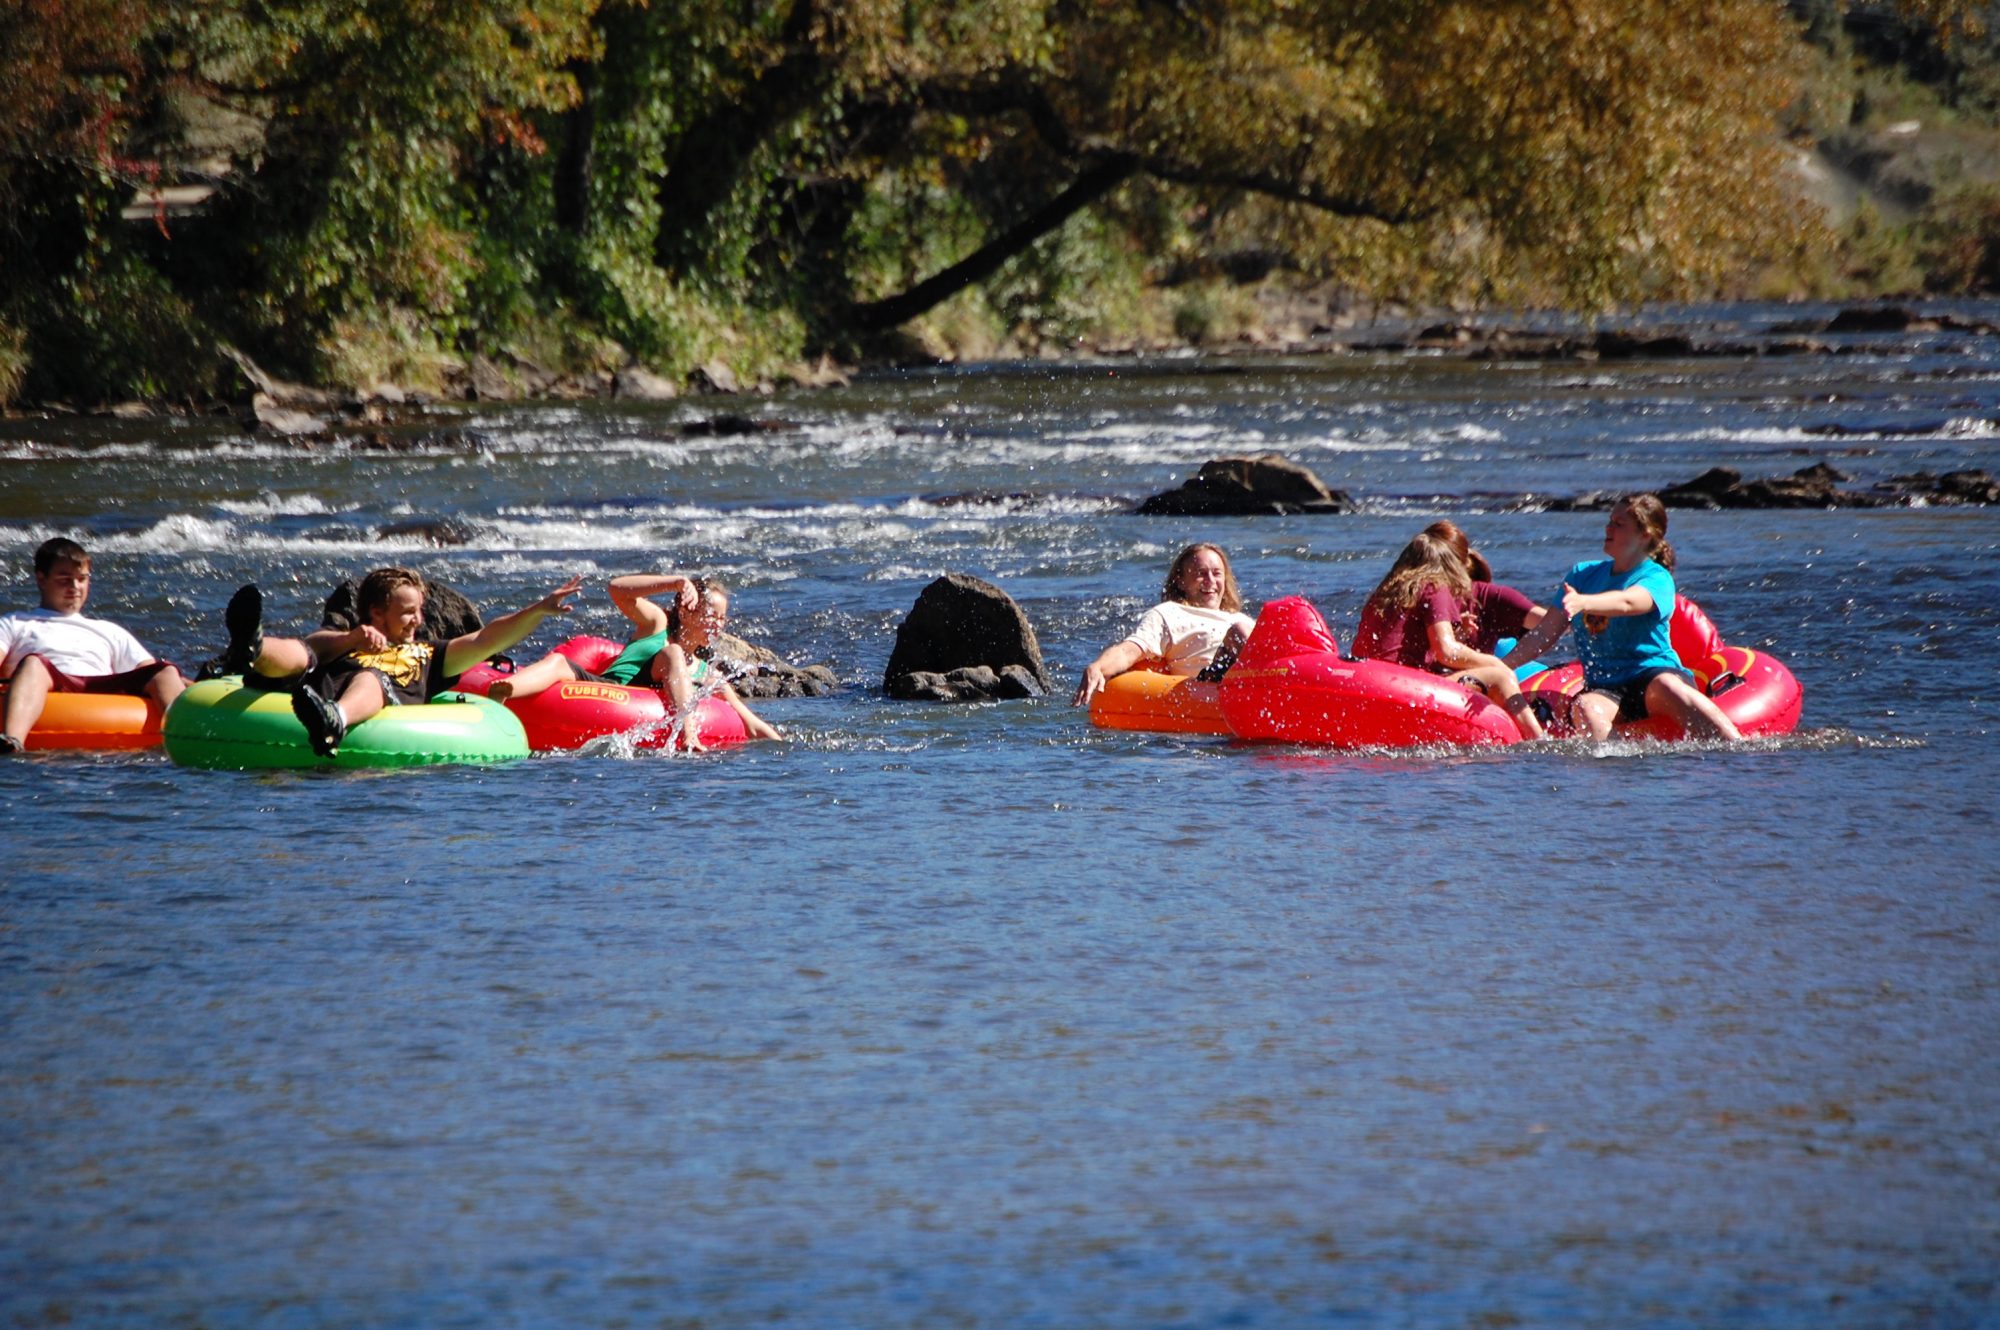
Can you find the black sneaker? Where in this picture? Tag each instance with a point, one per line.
(245, 621)
(9, 745)
(325, 726)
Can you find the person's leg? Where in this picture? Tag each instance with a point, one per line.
(27, 694)
(1671, 694)
(327, 720)
(165, 686)
(362, 698)
(1599, 712)
(545, 673)
(759, 727)
(1500, 683)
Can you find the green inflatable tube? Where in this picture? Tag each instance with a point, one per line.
(219, 725)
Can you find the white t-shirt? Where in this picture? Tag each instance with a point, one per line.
(80, 647)
(1183, 639)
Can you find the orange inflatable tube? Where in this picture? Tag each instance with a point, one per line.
(101, 722)
(1145, 699)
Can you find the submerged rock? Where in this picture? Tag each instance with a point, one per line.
(758, 672)
(434, 530)
(965, 640)
(1248, 486)
(1815, 486)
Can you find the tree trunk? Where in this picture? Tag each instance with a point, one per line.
(579, 149)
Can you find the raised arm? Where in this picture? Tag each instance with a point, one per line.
(633, 594)
(1111, 662)
(462, 653)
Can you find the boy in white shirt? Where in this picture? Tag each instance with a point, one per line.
(55, 649)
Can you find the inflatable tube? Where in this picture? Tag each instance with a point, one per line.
(1290, 685)
(97, 722)
(218, 724)
(1165, 703)
(1752, 688)
(570, 714)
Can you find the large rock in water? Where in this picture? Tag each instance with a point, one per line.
(965, 641)
(1256, 486)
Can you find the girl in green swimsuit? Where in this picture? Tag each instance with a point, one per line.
(664, 651)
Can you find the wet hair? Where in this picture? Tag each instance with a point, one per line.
(1425, 561)
(1475, 563)
(702, 586)
(1651, 516)
(378, 586)
(1232, 599)
(59, 550)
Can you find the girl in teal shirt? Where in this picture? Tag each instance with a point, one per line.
(1626, 604)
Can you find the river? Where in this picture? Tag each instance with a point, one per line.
(974, 1015)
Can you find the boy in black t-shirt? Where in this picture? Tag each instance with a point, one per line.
(339, 678)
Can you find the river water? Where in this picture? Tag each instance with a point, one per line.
(973, 1015)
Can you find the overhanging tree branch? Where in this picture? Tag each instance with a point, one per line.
(1095, 182)
(1106, 167)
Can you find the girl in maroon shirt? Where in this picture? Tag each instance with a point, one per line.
(1413, 619)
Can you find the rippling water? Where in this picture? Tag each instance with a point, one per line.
(977, 1016)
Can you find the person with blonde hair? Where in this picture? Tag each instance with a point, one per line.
(1626, 603)
(1412, 619)
(1195, 630)
(341, 677)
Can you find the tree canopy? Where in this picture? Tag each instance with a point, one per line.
(402, 180)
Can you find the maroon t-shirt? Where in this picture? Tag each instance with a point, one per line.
(1404, 636)
(1493, 612)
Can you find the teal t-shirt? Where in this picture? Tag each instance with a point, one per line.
(1614, 650)
(631, 663)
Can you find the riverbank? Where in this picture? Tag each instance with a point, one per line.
(388, 415)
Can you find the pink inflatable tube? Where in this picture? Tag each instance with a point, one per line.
(1290, 685)
(571, 714)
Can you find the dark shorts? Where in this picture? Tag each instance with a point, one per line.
(330, 681)
(581, 675)
(131, 683)
(1631, 694)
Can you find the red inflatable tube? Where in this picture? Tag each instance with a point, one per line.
(572, 713)
(1752, 688)
(1291, 685)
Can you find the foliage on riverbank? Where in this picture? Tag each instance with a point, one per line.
(384, 190)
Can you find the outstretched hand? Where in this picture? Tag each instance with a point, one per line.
(1572, 601)
(1093, 684)
(553, 602)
